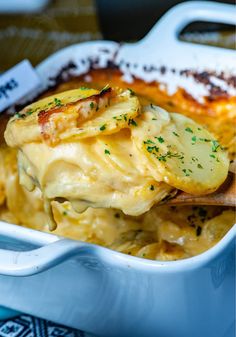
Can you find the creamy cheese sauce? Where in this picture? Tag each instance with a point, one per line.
(163, 233)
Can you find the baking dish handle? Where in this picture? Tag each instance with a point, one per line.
(26, 263)
(171, 24)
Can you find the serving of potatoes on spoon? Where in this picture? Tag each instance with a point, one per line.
(103, 149)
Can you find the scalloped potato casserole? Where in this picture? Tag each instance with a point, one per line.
(96, 163)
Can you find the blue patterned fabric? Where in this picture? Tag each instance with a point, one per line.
(27, 326)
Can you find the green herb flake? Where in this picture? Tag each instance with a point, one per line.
(194, 139)
(29, 112)
(84, 88)
(189, 130)
(212, 156)
(152, 188)
(215, 145)
(103, 127)
(186, 173)
(170, 154)
(152, 149)
(205, 140)
(175, 133)
(57, 102)
(199, 166)
(91, 105)
(148, 141)
(64, 213)
(154, 119)
(160, 139)
(107, 151)
(132, 122)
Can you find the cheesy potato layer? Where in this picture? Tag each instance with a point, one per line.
(162, 233)
(102, 149)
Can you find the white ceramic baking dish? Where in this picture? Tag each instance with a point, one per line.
(105, 292)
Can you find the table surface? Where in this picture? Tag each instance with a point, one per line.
(27, 326)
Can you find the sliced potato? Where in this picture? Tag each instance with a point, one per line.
(58, 100)
(74, 114)
(100, 172)
(119, 113)
(23, 127)
(179, 151)
(215, 228)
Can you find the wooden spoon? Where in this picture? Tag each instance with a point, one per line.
(224, 196)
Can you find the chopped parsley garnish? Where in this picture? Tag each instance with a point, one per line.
(212, 156)
(152, 188)
(29, 112)
(64, 213)
(199, 166)
(189, 130)
(186, 173)
(205, 140)
(132, 122)
(194, 139)
(107, 151)
(154, 119)
(91, 105)
(160, 139)
(103, 127)
(170, 155)
(148, 141)
(57, 102)
(215, 145)
(175, 133)
(84, 88)
(120, 117)
(154, 148)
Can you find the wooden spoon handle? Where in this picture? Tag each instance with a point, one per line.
(224, 196)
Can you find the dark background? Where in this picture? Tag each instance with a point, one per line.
(125, 20)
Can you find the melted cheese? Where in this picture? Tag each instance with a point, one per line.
(106, 169)
(163, 233)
